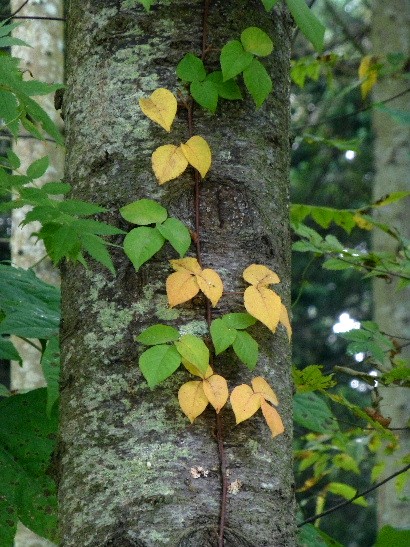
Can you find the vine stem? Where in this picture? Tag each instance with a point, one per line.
(208, 311)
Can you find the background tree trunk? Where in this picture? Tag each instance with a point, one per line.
(127, 451)
(391, 34)
(44, 61)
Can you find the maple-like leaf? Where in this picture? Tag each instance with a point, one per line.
(168, 162)
(197, 152)
(160, 107)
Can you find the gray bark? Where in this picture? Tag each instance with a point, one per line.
(391, 34)
(127, 451)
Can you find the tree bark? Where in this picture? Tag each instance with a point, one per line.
(127, 452)
(390, 34)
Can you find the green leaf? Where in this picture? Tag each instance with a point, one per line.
(50, 364)
(141, 244)
(194, 350)
(56, 188)
(310, 536)
(4, 392)
(177, 234)
(205, 93)
(97, 249)
(80, 208)
(143, 212)
(7, 351)
(27, 440)
(14, 160)
(227, 90)
(336, 264)
(256, 41)
(311, 378)
(31, 307)
(9, 41)
(257, 81)
(191, 69)
(234, 59)
(9, 112)
(238, 320)
(95, 227)
(246, 348)
(313, 413)
(146, 3)
(400, 116)
(158, 334)
(60, 241)
(308, 23)
(389, 536)
(39, 115)
(268, 4)
(38, 168)
(222, 335)
(158, 363)
(346, 491)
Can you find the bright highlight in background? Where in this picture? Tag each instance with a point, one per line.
(350, 155)
(345, 323)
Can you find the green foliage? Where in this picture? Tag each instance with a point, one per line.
(389, 536)
(312, 412)
(50, 365)
(158, 334)
(311, 378)
(311, 536)
(228, 331)
(27, 493)
(194, 350)
(158, 363)
(141, 244)
(369, 339)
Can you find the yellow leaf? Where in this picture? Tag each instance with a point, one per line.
(257, 274)
(216, 391)
(190, 264)
(160, 107)
(368, 74)
(362, 223)
(181, 286)
(272, 418)
(263, 304)
(284, 320)
(168, 162)
(211, 285)
(192, 399)
(261, 386)
(244, 402)
(197, 152)
(195, 371)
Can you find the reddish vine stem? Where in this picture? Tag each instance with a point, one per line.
(208, 311)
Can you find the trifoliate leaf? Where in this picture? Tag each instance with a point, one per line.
(189, 263)
(264, 304)
(160, 107)
(176, 233)
(192, 399)
(158, 334)
(194, 350)
(227, 90)
(158, 363)
(211, 285)
(195, 371)
(141, 244)
(181, 286)
(238, 320)
(272, 418)
(258, 82)
(246, 348)
(234, 59)
(244, 402)
(197, 152)
(206, 94)
(260, 385)
(256, 41)
(216, 391)
(257, 274)
(168, 162)
(143, 212)
(284, 320)
(222, 335)
(191, 69)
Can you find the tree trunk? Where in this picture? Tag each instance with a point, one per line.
(390, 34)
(128, 452)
